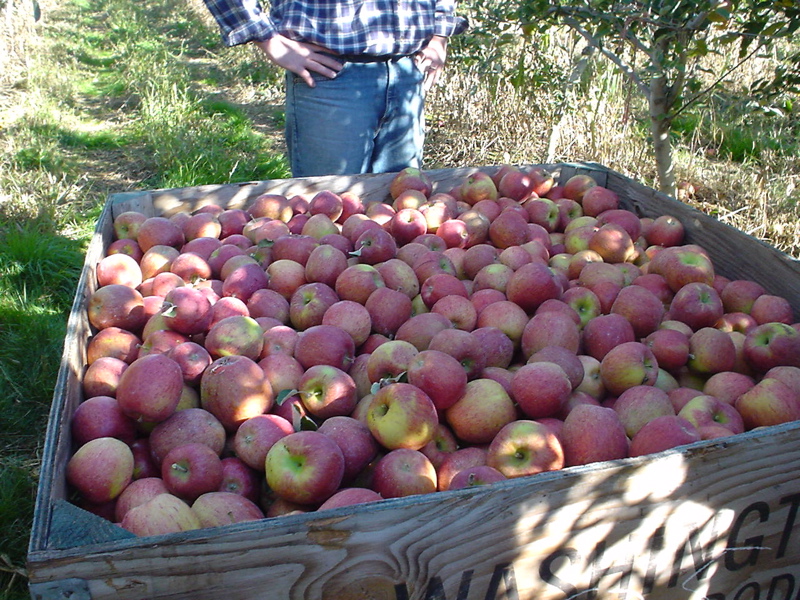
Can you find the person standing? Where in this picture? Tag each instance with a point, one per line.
(357, 72)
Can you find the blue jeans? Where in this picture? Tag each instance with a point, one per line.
(368, 119)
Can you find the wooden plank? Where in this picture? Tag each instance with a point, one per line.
(686, 524)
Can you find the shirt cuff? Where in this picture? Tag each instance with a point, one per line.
(258, 31)
(449, 24)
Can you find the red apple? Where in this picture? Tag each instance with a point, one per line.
(524, 447)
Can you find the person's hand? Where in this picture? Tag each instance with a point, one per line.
(431, 59)
(299, 58)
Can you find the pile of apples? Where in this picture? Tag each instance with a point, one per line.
(318, 351)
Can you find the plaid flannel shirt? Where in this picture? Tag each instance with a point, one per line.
(397, 27)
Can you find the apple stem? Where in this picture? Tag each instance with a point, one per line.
(180, 468)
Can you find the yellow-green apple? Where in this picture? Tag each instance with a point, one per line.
(186, 426)
(768, 402)
(641, 307)
(493, 276)
(256, 435)
(439, 375)
(770, 345)
(696, 304)
(315, 227)
(525, 447)
(458, 460)
(739, 294)
(327, 391)
(639, 404)
(483, 409)
(704, 410)
(592, 434)
(549, 328)
(350, 497)
(116, 305)
(711, 351)
(237, 335)
(100, 469)
(577, 235)
(403, 472)
(592, 382)
(215, 509)
(441, 445)
(191, 469)
(540, 389)
(584, 302)
(398, 275)
(119, 269)
(612, 242)
(150, 388)
(162, 514)
(769, 308)
(305, 467)
(233, 389)
(101, 378)
(325, 345)
(663, 433)
(355, 440)
(627, 365)
(462, 346)
(681, 395)
(666, 381)
(401, 415)
(159, 231)
(595, 200)
(126, 224)
(241, 479)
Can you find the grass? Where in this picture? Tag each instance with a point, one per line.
(109, 96)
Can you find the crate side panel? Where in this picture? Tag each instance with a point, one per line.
(679, 525)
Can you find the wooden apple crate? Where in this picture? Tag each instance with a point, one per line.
(716, 520)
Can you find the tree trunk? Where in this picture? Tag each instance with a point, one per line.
(660, 126)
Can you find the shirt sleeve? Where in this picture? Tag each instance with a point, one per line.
(241, 21)
(447, 22)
